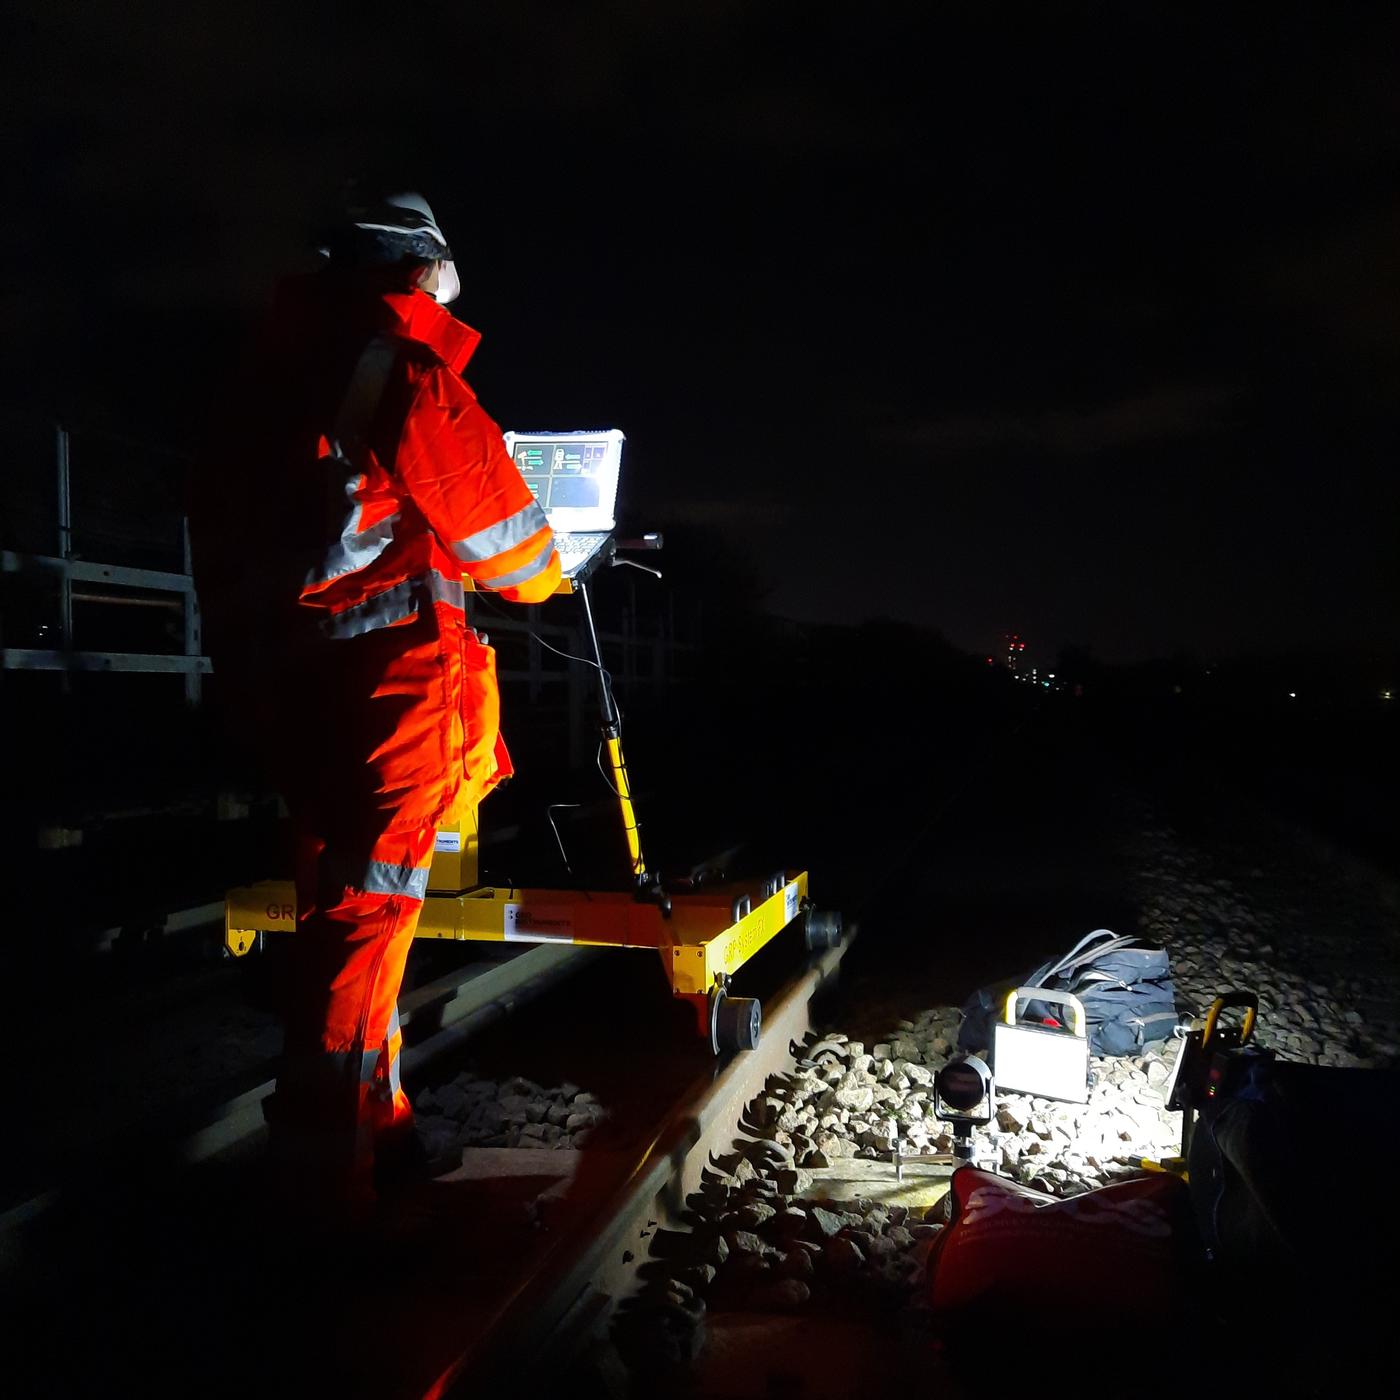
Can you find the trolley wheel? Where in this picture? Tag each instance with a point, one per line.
(737, 1024)
(821, 929)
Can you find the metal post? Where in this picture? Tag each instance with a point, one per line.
(194, 681)
(65, 552)
(65, 536)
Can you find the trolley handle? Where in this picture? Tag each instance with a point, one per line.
(1227, 1000)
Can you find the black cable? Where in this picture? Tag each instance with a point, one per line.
(569, 656)
(549, 646)
(598, 755)
(549, 812)
(608, 782)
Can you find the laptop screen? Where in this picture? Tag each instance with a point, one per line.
(572, 475)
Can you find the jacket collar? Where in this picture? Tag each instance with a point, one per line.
(416, 316)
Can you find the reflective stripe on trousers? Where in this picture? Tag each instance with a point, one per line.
(339, 1089)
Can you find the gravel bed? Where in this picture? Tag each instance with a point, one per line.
(1320, 951)
(760, 1239)
(762, 1236)
(472, 1110)
(1315, 949)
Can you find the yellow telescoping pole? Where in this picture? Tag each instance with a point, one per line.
(612, 741)
(630, 828)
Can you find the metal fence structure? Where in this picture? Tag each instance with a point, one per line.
(76, 584)
(66, 608)
(644, 658)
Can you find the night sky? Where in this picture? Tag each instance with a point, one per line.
(1079, 320)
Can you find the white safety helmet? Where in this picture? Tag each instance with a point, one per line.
(402, 226)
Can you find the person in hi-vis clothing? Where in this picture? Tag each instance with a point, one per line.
(362, 482)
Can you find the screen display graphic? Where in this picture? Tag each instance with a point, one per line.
(561, 475)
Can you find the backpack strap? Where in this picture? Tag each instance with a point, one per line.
(362, 396)
(1085, 952)
(1126, 944)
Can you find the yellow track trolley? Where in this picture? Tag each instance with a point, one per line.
(703, 935)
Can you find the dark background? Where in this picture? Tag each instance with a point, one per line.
(926, 324)
(1077, 320)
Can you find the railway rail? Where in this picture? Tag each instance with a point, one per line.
(593, 1259)
(437, 1017)
(505, 1268)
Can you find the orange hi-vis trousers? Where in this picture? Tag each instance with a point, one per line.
(392, 733)
(340, 1103)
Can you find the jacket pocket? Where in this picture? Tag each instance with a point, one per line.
(485, 760)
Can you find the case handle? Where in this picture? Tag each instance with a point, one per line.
(1068, 999)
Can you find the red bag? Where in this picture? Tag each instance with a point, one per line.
(1013, 1254)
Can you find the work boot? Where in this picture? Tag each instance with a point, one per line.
(319, 1184)
(402, 1159)
(429, 1226)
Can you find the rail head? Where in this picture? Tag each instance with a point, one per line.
(595, 1261)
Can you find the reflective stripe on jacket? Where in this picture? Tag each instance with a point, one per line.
(416, 485)
(352, 484)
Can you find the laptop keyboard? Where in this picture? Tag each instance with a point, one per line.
(575, 550)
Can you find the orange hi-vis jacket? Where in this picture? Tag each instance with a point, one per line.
(419, 488)
(336, 552)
